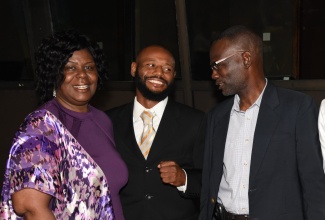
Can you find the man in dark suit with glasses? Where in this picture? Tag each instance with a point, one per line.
(262, 156)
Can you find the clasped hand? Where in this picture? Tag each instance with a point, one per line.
(171, 173)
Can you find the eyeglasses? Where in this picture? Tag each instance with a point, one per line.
(215, 65)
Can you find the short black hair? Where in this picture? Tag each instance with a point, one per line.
(53, 54)
(242, 35)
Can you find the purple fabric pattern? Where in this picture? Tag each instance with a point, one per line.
(46, 157)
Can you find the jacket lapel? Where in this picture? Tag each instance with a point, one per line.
(125, 131)
(218, 142)
(265, 126)
(167, 129)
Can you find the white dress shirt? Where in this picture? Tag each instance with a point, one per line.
(233, 190)
(138, 124)
(137, 121)
(321, 129)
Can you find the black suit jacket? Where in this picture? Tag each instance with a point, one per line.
(286, 180)
(180, 138)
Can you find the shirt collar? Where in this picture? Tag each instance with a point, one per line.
(257, 103)
(158, 109)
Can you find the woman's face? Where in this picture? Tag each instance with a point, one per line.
(79, 83)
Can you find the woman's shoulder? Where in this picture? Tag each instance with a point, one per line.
(40, 115)
(40, 121)
(100, 115)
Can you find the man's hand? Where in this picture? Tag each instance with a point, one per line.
(171, 173)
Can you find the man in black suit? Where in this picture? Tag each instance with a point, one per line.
(262, 157)
(165, 183)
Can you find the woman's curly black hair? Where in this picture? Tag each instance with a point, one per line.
(54, 53)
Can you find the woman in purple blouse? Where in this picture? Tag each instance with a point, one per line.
(63, 163)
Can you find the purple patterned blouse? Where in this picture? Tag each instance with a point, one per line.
(46, 156)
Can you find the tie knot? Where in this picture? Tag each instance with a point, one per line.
(147, 117)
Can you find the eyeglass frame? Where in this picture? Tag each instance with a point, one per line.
(214, 65)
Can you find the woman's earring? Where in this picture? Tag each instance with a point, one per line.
(54, 93)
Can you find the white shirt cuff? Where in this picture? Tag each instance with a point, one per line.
(184, 187)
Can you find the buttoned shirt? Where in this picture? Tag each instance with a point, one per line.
(233, 190)
(137, 121)
(158, 109)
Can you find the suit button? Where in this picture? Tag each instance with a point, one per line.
(147, 169)
(148, 196)
(212, 200)
(251, 190)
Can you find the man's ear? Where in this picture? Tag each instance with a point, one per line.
(133, 68)
(247, 59)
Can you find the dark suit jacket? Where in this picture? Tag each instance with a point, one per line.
(180, 137)
(286, 180)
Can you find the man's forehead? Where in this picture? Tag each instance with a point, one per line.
(224, 43)
(156, 56)
(221, 46)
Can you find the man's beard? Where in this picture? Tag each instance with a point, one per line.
(147, 93)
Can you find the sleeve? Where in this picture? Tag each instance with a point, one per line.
(194, 175)
(309, 160)
(206, 170)
(321, 129)
(33, 161)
